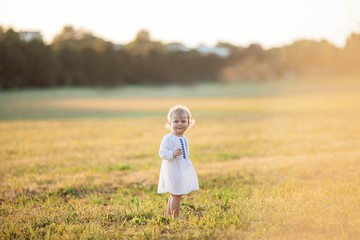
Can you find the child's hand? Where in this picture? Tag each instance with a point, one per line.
(177, 153)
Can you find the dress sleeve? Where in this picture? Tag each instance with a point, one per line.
(165, 150)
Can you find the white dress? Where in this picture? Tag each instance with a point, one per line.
(177, 175)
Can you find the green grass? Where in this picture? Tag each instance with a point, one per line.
(274, 160)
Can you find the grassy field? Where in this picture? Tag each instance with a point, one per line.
(275, 161)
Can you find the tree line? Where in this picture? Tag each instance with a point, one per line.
(78, 58)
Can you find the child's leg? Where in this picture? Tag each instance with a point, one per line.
(168, 206)
(175, 205)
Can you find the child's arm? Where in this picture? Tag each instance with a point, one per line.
(165, 150)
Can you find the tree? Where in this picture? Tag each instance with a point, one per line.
(13, 61)
(41, 70)
(351, 58)
(78, 39)
(308, 57)
(142, 45)
(79, 55)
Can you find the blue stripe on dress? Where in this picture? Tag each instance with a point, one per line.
(183, 147)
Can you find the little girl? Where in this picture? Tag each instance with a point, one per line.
(177, 174)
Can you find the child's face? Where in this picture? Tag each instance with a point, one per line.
(179, 124)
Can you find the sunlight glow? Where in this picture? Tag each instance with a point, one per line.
(191, 22)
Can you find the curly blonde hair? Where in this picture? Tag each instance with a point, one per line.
(179, 110)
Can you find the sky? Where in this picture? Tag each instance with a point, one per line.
(270, 23)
